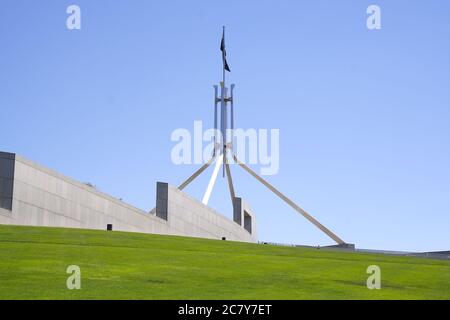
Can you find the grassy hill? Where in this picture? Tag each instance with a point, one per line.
(118, 265)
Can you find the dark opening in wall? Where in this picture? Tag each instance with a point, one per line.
(247, 222)
(162, 191)
(237, 207)
(7, 162)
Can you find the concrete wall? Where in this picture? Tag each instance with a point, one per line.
(42, 197)
(243, 215)
(186, 213)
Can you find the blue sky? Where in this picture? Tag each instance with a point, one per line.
(364, 116)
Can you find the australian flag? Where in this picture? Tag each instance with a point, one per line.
(224, 53)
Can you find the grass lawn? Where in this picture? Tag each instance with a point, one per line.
(119, 265)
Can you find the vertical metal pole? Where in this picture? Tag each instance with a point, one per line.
(224, 123)
(232, 115)
(223, 76)
(216, 99)
(222, 111)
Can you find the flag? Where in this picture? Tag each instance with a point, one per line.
(224, 53)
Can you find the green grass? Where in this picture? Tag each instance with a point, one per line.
(119, 265)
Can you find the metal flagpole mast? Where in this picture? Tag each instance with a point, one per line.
(226, 99)
(222, 148)
(223, 62)
(223, 105)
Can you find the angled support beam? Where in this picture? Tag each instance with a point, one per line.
(212, 181)
(196, 174)
(291, 203)
(230, 183)
(191, 178)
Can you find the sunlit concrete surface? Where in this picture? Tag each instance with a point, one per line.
(43, 197)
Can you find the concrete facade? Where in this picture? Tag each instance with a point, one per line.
(43, 197)
(243, 215)
(186, 213)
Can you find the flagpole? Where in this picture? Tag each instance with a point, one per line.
(223, 65)
(224, 149)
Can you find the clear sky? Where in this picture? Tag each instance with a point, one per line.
(364, 116)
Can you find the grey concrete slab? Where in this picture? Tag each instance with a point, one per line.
(43, 197)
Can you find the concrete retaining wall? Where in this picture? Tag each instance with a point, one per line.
(42, 197)
(186, 213)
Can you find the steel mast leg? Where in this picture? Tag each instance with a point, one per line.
(191, 178)
(291, 203)
(196, 174)
(230, 180)
(212, 180)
